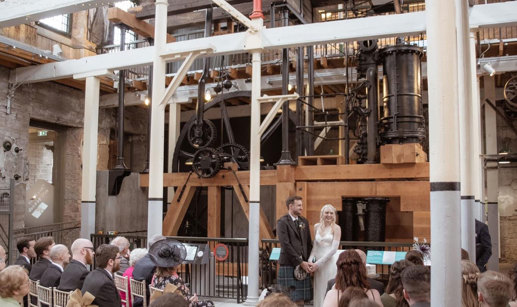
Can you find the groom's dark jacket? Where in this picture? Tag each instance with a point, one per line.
(295, 241)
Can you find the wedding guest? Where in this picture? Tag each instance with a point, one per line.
(76, 271)
(416, 280)
(494, 289)
(351, 294)
(14, 285)
(123, 246)
(59, 258)
(25, 247)
(415, 256)
(277, 300)
(42, 248)
(144, 270)
(136, 255)
(394, 296)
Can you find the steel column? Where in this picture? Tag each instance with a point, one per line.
(468, 241)
(120, 117)
(89, 156)
(155, 202)
(444, 152)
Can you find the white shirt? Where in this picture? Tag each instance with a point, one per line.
(294, 218)
(111, 274)
(26, 258)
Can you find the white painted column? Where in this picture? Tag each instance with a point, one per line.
(254, 202)
(155, 202)
(468, 230)
(174, 133)
(492, 173)
(89, 156)
(444, 152)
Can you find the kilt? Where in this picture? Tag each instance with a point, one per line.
(301, 289)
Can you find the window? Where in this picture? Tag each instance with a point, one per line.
(59, 23)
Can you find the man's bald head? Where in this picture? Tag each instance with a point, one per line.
(79, 244)
(59, 254)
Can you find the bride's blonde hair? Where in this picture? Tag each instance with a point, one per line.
(322, 216)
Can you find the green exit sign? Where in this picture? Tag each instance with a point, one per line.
(42, 133)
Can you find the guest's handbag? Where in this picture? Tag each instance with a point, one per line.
(299, 273)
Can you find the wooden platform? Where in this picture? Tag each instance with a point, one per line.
(406, 185)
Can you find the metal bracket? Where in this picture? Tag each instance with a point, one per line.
(279, 101)
(236, 14)
(182, 72)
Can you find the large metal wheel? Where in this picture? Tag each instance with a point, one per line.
(235, 153)
(206, 162)
(201, 134)
(510, 93)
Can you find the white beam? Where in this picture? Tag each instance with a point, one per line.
(279, 101)
(15, 12)
(276, 38)
(235, 13)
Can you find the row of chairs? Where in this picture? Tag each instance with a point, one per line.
(53, 297)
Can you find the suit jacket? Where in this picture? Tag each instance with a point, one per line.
(51, 276)
(483, 245)
(144, 270)
(296, 243)
(374, 284)
(23, 262)
(73, 276)
(39, 268)
(101, 285)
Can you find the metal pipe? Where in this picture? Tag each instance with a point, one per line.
(200, 106)
(347, 133)
(310, 101)
(285, 156)
(300, 144)
(257, 10)
(121, 87)
(371, 76)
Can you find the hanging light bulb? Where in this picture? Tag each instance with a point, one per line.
(208, 95)
(290, 87)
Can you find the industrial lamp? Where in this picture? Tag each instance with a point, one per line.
(489, 69)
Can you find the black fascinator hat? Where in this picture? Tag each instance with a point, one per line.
(168, 253)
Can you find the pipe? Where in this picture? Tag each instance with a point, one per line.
(300, 144)
(121, 87)
(200, 106)
(371, 76)
(310, 100)
(285, 156)
(257, 10)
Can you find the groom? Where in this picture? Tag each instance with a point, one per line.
(296, 244)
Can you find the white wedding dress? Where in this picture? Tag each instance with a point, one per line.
(323, 252)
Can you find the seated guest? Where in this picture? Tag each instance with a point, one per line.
(144, 270)
(2, 257)
(469, 274)
(14, 285)
(416, 280)
(100, 281)
(351, 272)
(362, 303)
(25, 247)
(76, 271)
(170, 299)
(136, 254)
(415, 256)
(374, 284)
(59, 258)
(42, 249)
(494, 289)
(277, 300)
(167, 255)
(394, 296)
(123, 246)
(513, 278)
(351, 294)
(464, 254)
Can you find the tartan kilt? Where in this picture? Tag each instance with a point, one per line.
(301, 289)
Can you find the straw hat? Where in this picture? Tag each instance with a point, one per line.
(167, 253)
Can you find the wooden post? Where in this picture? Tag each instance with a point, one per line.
(214, 212)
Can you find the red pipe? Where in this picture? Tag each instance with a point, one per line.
(257, 10)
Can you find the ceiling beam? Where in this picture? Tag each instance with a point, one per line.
(138, 26)
(15, 12)
(181, 6)
(489, 15)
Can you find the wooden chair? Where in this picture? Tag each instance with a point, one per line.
(61, 298)
(153, 289)
(33, 293)
(138, 289)
(44, 296)
(121, 284)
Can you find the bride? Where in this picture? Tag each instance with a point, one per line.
(326, 241)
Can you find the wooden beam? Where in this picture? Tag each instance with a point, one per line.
(224, 177)
(214, 212)
(141, 27)
(177, 210)
(361, 172)
(265, 229)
